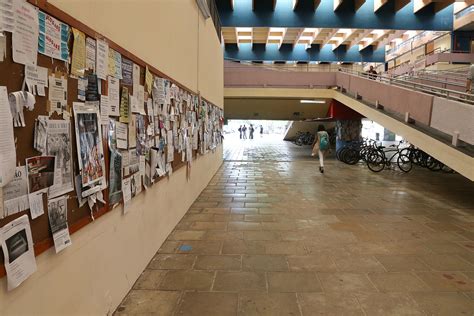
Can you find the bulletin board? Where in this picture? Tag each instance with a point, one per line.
(12, 76)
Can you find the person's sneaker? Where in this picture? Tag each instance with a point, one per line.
(321, 169)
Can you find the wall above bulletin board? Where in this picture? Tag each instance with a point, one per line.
(86, 125)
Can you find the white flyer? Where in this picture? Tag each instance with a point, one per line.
(127, 193)
(7, 19)
(57, 214)
(121, 132)
(139, 93)
(136, 74)
(36, 79)
(25, 36)
(58, 94)
(18, 251)
(7, 141)
(90, 53)
(104, 110)
(102, 59)
(114, 96)
(15, 193)
(58, 144)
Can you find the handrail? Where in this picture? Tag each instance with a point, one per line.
(290, 67)
(440, 92)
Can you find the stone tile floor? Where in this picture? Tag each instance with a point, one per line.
(270, 235)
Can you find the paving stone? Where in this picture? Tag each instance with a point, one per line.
(345, 282)
(208, 303)
(239, 281)
(401, 263)
(149, 280)
(218, 262)
(187, 280)
(293, 282)
(264, 263)
(311, 263)
(329, 304)
(262, 304)
(389, 304)
(397, 282)
(446, 263)
(148, 302)
(444, 303)
(172, 262)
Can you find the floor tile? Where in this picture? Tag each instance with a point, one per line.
(329, 304)
(148, 302)
(345, 282)
(239, 281)
(208, 303)
(187, 280)
(264, 263)
(262, 304)
(444, 303)
(218, 262)
(293, 282)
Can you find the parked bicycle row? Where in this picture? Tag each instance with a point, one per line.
(402, 156)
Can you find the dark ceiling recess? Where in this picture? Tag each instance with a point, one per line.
(280, 62)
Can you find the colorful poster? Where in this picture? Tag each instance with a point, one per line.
(127, 71)
(25, 36)
(53, 37)
(89, 143)
(78, 63)
(115, 64)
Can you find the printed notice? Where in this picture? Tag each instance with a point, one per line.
(18, 251)
(148, 80)
(25, 35)
(15, 193)
(7, 141)
(136, 74)
(114, 96)
(127, 71)
(36, 79)
(127, 193)
(90, 53)
(58, 94)
(78, 63)
(104, 110)
(124, 106)
(57, 214)
(115, 64)
(53, 37)
(102, 61)
(122, 135)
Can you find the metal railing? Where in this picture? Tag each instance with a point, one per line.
(290, 67)
(421, 87)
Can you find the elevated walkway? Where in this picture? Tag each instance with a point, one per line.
(439, 121)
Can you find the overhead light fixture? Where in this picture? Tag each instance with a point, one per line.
(313, 101)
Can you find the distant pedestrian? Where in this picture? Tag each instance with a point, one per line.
(251, 130)
(240, 131)
(261, 131)
(372, 73)
(321, 146)
(244, 132)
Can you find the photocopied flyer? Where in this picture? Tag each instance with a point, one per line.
(127, 193)
(25, 35)
(40, 173)
(18, 251)
(15, 193)
(58, 94)
(7, 141)
(114, 96)
(57, 214)
(102, 59)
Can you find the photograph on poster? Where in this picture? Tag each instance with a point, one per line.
(58, 144)
(115, 189)
(57, 214)
(16, 245)
(89, 143)
(40, 171)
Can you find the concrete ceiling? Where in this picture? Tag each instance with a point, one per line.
(273, 109)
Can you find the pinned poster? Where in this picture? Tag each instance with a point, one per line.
(90, 53)
(57, 215)
(53, 37)
(25, 36)
(148, 80)
(102, 59)
(104, 110)
(18, 251)
(15, 193)
(124, 106)
(139, 93)
(127, 193)
(121, 135)
(7, 141)
(7, 19)
(115, 64)
(3, 46)
(114, 96)
(136, 74)
(57, 94)
(78, 63)
(127, 71)
(36, 79)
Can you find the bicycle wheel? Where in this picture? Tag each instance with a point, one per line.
(433, 164)
(351, 156)
(375, 161)
(404, 163)
(299, 142)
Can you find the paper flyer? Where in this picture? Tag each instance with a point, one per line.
(122, 135)
(53, 37)
(18, 251)
(7, 140)
(78, 63)
(124, 106)
(115, 64)
(57, 215)
(148, 80)
(15, 193)
(127, 71)
(25, 35)
(114, 96)
(36, 79)
(102, 59)
(57, 92)
(90, 53)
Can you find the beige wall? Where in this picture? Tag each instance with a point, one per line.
(106, 257)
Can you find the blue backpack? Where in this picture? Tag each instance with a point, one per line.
(323, 141)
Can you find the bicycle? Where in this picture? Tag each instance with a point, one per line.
(377, 158)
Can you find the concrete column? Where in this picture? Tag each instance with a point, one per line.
(347, 131)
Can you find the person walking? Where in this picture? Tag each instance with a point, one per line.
(321, 146)
(240, 131)
(261, 131)
(244, 132)
(251, 130)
